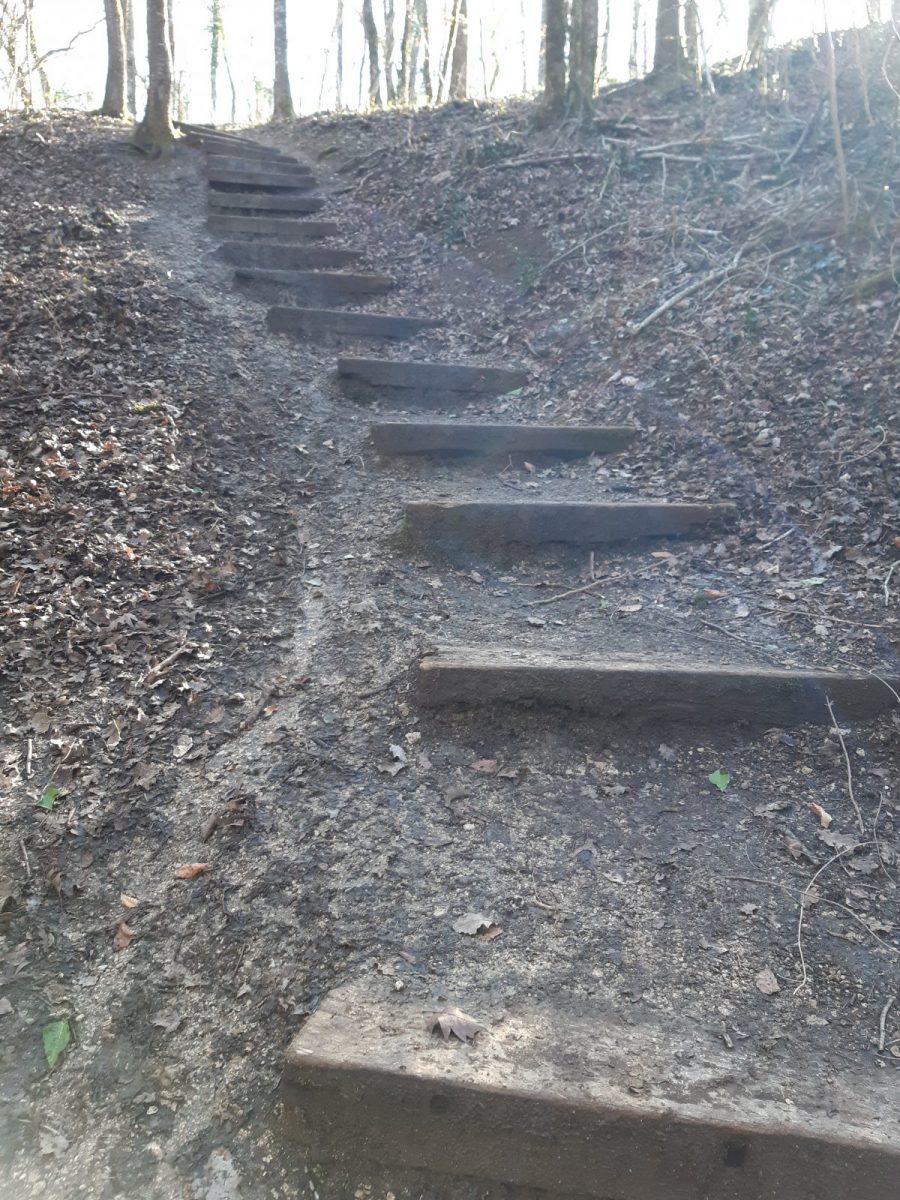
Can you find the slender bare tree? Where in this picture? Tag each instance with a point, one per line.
(759, 30)
(155, 134)
(583, 34)
(669, 59)
(370, 30)
(459, 62)
(553, 102)
(692, 37)
(407, 39)
(215, 34)
(424, 35)
(130, 64)
(339, 56)
(282, 103)
(389, 85)
(114, 97)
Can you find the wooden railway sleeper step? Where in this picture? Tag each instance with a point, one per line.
(486, 525)
(544, 1099)
(322, 285)
(285, 256)
(243, 164)
(425, 384)
(266, 183)
(310, 322)
(289, 228)
(490, 440)
(254, 154)
(227, 202)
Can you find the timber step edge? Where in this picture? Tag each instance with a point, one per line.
(486, 524)
(221, 202)
(327, 285)
(542, 1101)
(243, 165)
(288, 257)
(282, 227)
(445, 437)
(268, 183)
(430, 376)
(244, 153)
(618, 687)
(312, 321)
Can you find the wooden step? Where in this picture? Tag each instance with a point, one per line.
(489, 524)
(648, 689)
(274, 254)
(228, 202)
(267, 182)
(244, 164)
(331, 286)
(442, 437)
(313, 321)
(546, 1098)
(281, 227)
(212, 145)
(425, 384)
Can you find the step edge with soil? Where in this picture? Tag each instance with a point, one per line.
(536, 1102)
(337, 282)
(445, 377)
(291, 228)
(447, 437)
(616, 686)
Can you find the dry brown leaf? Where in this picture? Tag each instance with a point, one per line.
(824, 818)
(766, 982)
(191, 870)
(166, 1019)
(128, 901)
(124, 936)
(454, 1023)
(472, 923)
(485, 766)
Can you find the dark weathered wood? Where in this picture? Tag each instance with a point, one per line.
(648, 689)
(282, 227)
(212, 145)
(243, 163)
(267, 182)
(430, 377)
(278, 255)
(542, 1100)
(258, 202)
(522, 522)
(331, 286)
(444, 437)
(312, 321)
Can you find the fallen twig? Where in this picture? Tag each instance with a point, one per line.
(837, 730)
(155, 673)
(882, 1020)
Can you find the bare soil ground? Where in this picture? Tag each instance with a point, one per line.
(209, 619)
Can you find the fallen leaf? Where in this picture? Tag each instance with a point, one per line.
(795, 847)
(55, 1036)
(48, 798)
(166, 1019)
(128, 901)
(472, 923)
(766, 982)
(838, 841)
(485, 766)
(112, 735)
(191, 870)
(397, 753)
(634, 607)
(40, 722)
(145, 774)
(490, 933)
(824, 818)
(720, 779)
(52, 1144)
(123, 937)
(529, 467)
(714, 594)
(453, 1023)
(5, 1007)
(181, 747)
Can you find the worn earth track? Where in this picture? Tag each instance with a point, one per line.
(538, 1101)
(649, 1026)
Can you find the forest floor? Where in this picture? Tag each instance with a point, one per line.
(218, 797)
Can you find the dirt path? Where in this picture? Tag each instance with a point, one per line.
(352, 829)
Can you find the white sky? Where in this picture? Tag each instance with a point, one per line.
(499, 26)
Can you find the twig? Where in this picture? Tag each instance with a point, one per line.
(814, 616)
(891, 689)
(837, 730)
(737, 637)
(887, 582)
(29, 753)
(575, 591)
(163, 665)
(856, 457)
(882, 1020)
(787, 532)
(834, 858)
(711, 277)
(548, 160)
(876, 841)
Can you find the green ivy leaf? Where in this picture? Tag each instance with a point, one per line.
(48, 799)
(720, 779)
(56, 1037)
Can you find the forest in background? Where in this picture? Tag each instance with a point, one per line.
(368, 53)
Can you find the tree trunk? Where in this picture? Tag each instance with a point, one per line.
(282, 104)
(406, 42)
(114, 97)
(422, 22)
(130, 64)
(339, 59)
(635, 30)
(459, 64)
(583, 56)
(668, 59)
(759, 29)
(215, 31)
(692, 38)
(604, 43)
(370, 29)
(554, 99)
(390, 90)
(155, 134)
